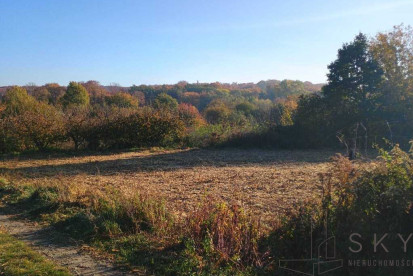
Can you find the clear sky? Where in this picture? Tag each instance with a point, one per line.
(165, 41)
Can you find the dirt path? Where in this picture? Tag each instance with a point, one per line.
(57, 247)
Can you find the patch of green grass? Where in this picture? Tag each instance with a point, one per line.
(16, 258)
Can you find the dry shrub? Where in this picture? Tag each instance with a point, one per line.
(129, 214)
(224, 233)
(336, 183)
(79, 194)
(37, 127)
(77, 124)
(343, 170)
(133, 215)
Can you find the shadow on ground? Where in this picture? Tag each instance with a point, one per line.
(108, 164)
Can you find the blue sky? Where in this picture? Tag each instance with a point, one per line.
(154, 42)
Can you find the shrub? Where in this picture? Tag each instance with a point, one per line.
(372, 202)
(223, 234)
(154, 128)
(41, 126)
(125, 128)
(208, 135)
(140, 213)
(9, 140)
(28, 124)
(77, 124)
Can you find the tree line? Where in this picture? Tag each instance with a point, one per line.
(368, 97)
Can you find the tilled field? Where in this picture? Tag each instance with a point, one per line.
(266, 182)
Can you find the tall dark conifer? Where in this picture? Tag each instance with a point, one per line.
(354, 80)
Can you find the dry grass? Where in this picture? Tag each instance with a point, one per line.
(267, 183)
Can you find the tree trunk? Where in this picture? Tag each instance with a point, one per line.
(353, 143)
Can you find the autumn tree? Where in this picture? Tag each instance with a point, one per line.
(27, 123)
(41, 94)
(394, 52)
(122, 100)
(216, 112)
(8, 139)
(164, 101)
(284, 111)
(56, 92)
(96, 91)
(77, 124)
(76, 95)
(190, 115)
(286, 88)
(245, 108)
(17, 100)
(140, 96)
(192, 98)
(40, 126)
